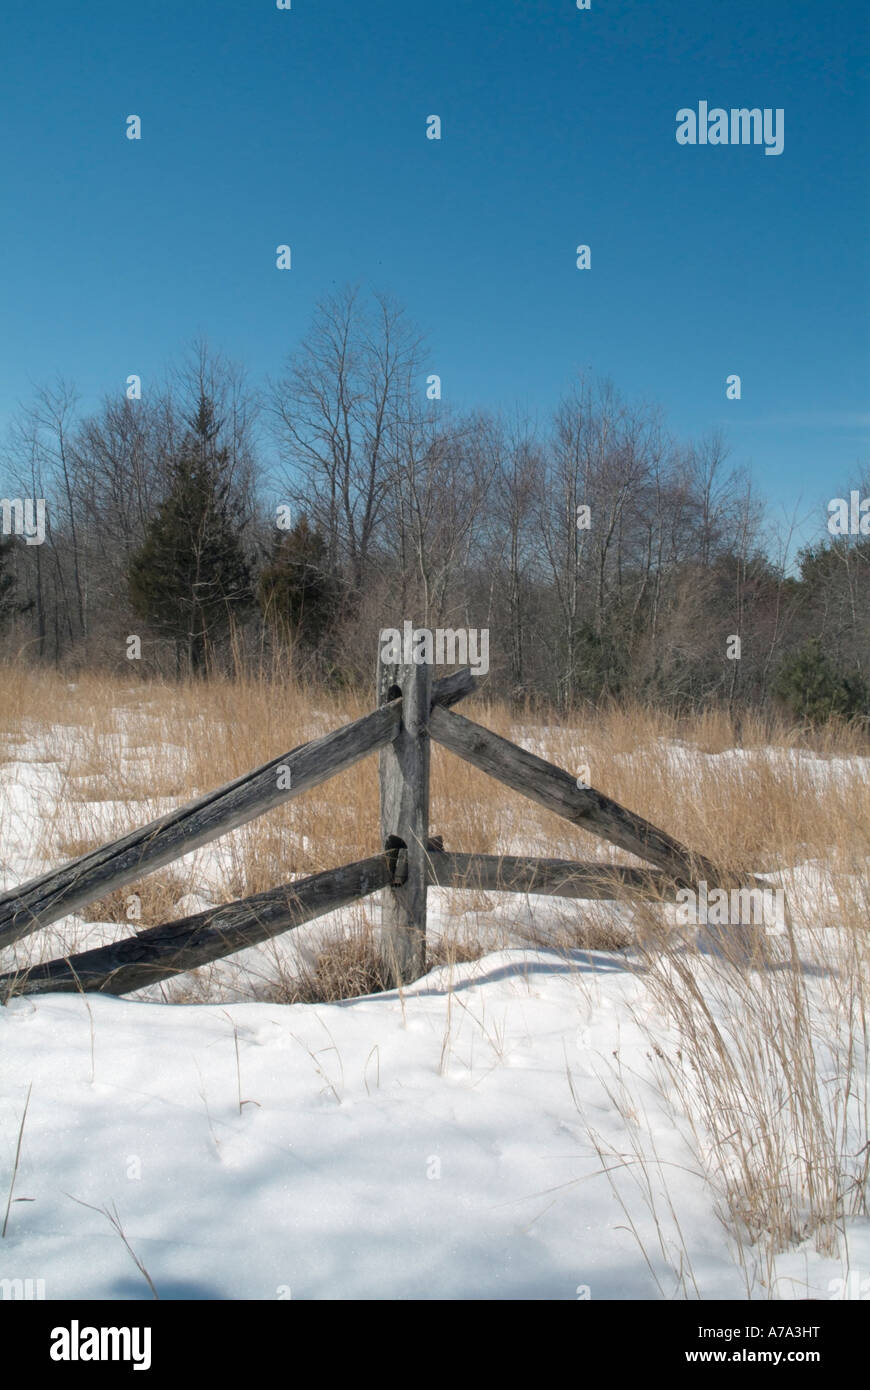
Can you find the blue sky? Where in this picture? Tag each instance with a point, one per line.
(307, 127)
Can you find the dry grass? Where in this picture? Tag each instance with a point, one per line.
(144, 904)
(771, 1074)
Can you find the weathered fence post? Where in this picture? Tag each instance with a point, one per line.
(404, 776)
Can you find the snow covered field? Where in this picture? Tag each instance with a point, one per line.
(532, 1124)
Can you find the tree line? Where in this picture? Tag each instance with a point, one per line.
(209, 524)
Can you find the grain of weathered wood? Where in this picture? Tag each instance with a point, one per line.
(557, 790)
(451, 689)
(160, 952)
(404, 810)
(50, 896)
(560, 878)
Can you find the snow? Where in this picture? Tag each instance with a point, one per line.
(428, 1148)
(425, 1147)
(510, 1127)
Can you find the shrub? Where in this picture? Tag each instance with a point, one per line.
(812, 688)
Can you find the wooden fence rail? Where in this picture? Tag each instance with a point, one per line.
(160, 952)
(558, 791)
(45, 899)
(559, 878)
(411, 710)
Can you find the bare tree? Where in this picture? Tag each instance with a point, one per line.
(338, 412)
(52, 418)
(512, 536)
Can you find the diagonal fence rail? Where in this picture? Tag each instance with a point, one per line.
(557, 791)
(160, 952)
(54, 895)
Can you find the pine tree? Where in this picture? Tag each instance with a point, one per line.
(190, 575)
(813, 689)
(7, 581)
(296, 593)
(10, 605)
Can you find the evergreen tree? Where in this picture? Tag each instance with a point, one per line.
(190, 574)
(7, 581)
(813, 689)
(296, 593)
(9, 603)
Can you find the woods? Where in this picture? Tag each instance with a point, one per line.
(219, 522)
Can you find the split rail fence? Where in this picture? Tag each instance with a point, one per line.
(412, 710)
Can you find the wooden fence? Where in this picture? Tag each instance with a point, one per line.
(412, 710)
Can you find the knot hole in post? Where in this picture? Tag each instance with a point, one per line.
(393, 847)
